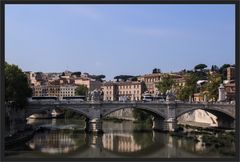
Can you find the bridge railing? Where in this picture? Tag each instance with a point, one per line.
(43, 102)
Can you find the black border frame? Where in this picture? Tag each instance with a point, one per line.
(2, 59)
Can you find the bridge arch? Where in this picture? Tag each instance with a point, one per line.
(212, 109)
(224, 117)
(46, 108)
(107, 111)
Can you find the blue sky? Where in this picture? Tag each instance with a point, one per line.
(118, 39)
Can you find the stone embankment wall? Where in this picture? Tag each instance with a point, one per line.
(14, 119)
(126, 114)
(198, 118)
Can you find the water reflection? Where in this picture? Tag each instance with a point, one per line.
(55, 142)
(126, 139)
(119, 142)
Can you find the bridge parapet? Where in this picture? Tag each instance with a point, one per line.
(168, 110)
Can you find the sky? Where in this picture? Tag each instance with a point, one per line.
(118, 39)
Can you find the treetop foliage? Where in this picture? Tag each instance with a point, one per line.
(16, 85)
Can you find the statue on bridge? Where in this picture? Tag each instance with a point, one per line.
(171, 96)
(95, 95)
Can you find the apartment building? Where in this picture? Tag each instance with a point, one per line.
(110, 91)
(132, 90)
(91, 84)
(40, 90)
(230, 90)
(67, 90)
(231, 73)
(150, 81)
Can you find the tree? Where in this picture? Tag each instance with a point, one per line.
(212, 85)
(16, 85)
(77, 73)
(190, 87)
(123, 77)
(200, 67)
(223, 71)
(165, 84)
(215, 68)
(155, 70)
(98, 77)
(82, 90)
(135, 78)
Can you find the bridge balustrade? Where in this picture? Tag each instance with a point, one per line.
(169, 110)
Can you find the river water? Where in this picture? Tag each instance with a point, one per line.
(121, 140)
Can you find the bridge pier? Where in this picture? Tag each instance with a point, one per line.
(94, 125)
(158, 123)
(170, 125)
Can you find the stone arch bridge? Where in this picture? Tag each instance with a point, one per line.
(165, 113)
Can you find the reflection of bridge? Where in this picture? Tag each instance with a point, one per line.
(120, 142)
(165, 113)
(58, 142)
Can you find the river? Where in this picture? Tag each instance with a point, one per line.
(122, 140)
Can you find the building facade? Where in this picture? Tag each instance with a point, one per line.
(67, 90)
(110, 91)
(150, 81)
(91, 84)
(131, 90)
(231, 73)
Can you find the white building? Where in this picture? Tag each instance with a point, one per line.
(67, 90)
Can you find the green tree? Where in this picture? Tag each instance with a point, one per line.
(211, 87)
(123, 77)
(77, 73)
(155, 70)
(82, 90)
(215, 68)
(223, 71)
(16, 85)
(200, 67)
(190, 87)
(165, 84)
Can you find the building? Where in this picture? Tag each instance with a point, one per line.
(110, 91)
(53, 90)
(67, 90)
(150, 81)
(132, 90)
(91, 84)
(231, 73)
(230, 90)
(39, 90)
(180, 81)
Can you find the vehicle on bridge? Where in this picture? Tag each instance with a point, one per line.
(73, 98)
(43, 98)
(149, 98)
